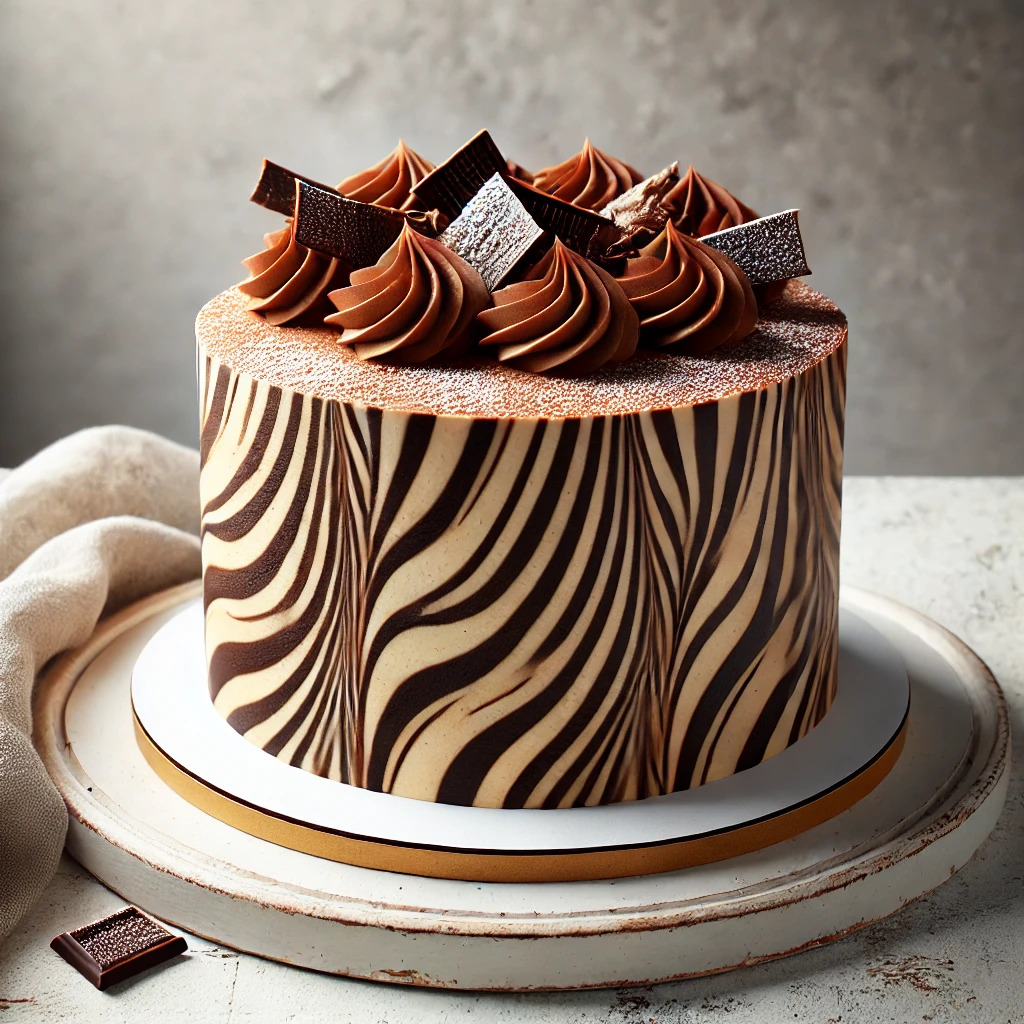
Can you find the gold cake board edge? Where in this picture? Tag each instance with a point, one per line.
(547, 866)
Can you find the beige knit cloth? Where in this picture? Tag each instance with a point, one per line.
(91, 523)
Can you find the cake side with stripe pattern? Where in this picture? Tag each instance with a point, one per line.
(522, 611)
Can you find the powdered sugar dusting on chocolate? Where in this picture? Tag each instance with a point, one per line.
(767, 249)
(793, 335)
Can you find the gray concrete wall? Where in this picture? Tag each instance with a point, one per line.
(131, 133)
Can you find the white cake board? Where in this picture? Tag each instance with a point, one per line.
(922, 822)
(199, 755)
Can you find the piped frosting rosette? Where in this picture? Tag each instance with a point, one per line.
(699, 206)
(688, 296)
(568, 316)
(418, 300)
(590, 179)
(390, 182)
(288, 282)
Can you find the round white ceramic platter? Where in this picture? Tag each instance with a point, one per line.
(922, 822)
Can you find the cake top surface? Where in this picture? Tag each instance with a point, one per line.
(792, 335)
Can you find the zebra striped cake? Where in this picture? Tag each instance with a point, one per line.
(468, 583)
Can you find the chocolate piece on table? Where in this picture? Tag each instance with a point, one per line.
(582, 230)
(639, 213)
(449, 186)
(494, 234)
(118, 947)
(276, 188)
(767, 249)
(344, 228)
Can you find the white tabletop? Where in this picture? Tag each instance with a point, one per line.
(954, 549)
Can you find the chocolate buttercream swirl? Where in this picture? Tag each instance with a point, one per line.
(688, 296)
(699, 206)
(288, 281)
(567, 316)
(590, 179)
(390, 182)
(419, 299)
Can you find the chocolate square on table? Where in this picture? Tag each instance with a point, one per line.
(118, 947)
(494, 234)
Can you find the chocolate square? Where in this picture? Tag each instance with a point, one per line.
(583, 231)
(451, 185)
(276, 188)
(118, 947)
(767, 249)
(494, 234)
(344, 228)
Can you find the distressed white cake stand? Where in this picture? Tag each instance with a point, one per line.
(923, 820)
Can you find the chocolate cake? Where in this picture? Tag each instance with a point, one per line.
(516, 492)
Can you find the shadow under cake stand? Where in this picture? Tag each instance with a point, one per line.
(892, 792)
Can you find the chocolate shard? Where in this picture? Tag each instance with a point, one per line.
(451, 185)
(276, 188)
(344, 228)
(588, 233)
(276, 191)
(118, 947)
(495, 234)
(427, 222)
(639, 212)
(767, 249)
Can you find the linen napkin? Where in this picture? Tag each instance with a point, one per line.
(95, 521)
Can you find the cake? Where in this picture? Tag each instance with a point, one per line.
(514, 492)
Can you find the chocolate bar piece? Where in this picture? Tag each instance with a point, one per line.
(494, 234)
(582, 230)
(118, 947)
(344, 228)
(767, 249)
(276, 188)
(451, 185)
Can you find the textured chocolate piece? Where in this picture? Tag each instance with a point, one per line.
(276, 188)
(344, 228)
(494, 234)
(639, 212)
(583, 231)
(767, 249)
(117, 947)
(276, 191)
(451, 185)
